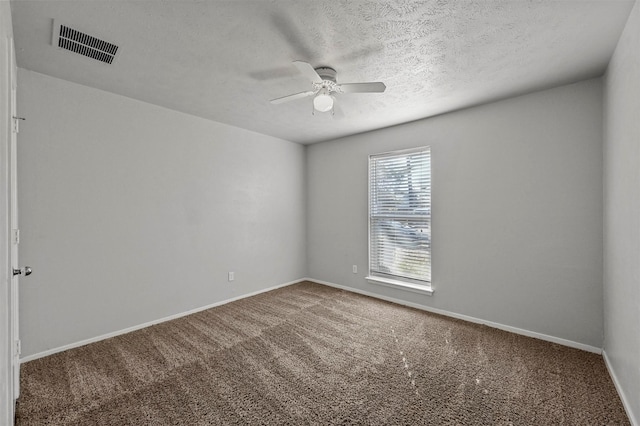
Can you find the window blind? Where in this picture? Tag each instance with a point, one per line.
(400, 215)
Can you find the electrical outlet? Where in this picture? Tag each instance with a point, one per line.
(355, 269)
(232, 276)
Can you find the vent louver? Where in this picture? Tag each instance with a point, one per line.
(84, 44)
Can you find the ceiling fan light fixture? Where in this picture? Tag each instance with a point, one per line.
(323, 102)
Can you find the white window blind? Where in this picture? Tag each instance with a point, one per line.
(400, 215)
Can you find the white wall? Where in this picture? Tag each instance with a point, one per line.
(622, 214)
(517, 211)
(131, 212)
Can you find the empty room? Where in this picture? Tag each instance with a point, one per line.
(331, 212)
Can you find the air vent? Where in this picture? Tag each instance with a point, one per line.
(76, 41)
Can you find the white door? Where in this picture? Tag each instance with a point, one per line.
(15, 233)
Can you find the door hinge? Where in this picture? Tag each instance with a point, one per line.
(16, 236)
(18, 348)
(16, 123)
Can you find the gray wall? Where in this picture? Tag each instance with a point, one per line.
(622, 214)
(517, 211)
(131, 212)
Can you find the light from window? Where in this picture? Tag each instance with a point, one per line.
(400, 216)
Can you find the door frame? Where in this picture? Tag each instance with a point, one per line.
(7, 346)
(14, 236)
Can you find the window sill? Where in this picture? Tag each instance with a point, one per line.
(415, 288)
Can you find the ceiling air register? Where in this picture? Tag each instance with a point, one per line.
(84, 44)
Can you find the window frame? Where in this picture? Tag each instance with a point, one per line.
(391, 280)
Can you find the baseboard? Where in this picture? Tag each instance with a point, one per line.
(511, 329)
(553, 339)
(623, 397)
(150, 323)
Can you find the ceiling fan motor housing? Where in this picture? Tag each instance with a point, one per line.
(326, 74)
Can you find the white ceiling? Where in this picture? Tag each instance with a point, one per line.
(225, 60)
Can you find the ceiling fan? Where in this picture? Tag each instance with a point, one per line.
(323, 80)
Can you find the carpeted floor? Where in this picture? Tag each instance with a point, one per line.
(311, 354)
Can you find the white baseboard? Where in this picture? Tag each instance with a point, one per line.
(623, 397)
(516, 330)
(509, 328)
(150, 323)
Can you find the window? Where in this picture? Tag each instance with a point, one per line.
(400, 219)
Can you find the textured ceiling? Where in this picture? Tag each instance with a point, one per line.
(225, 60)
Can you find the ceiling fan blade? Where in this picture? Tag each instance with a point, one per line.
(308, 71)
(291, 97)
(376, 87)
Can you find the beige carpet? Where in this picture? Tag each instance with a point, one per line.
(310, 354)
